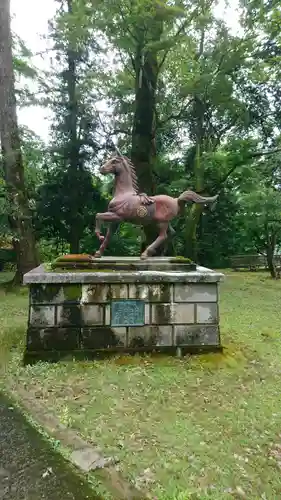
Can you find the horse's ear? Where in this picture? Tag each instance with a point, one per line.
(112, 147)
(115, 149)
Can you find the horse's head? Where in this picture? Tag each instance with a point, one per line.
(124, 171)
(111, 166)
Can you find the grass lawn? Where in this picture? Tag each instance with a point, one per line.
(205, 427)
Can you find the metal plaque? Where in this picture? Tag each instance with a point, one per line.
(127, 313)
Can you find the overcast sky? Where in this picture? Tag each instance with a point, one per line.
(30, 22)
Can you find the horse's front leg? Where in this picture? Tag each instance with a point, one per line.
(161, 237)
(98, 227)
(107, 217)
(104, 244)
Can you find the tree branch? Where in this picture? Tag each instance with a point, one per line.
(253, 154)
(178, 33)
(219, 65)
(265, 153)
(134, 37)
(120, 131)
(133, 62)
(176, 116)
(201, 45)
(259, 250)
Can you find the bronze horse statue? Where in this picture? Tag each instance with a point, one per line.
(139, 208)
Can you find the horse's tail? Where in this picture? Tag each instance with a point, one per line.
(191, 196)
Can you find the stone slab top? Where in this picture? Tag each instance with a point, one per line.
(88, 262)
(41, 276)
(132, 260)
(138, 260)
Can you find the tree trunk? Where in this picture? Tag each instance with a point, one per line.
(143, 134)
(270, 249)
(74, 242)
(195, 210)
(19, 214)
(193, 219)
(143, 151)
(73, 146)
(270, 262)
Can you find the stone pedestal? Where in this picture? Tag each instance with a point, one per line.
(136, 305)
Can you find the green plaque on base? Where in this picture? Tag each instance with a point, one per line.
(127, 313)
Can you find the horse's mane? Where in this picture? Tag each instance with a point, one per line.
(131, 168)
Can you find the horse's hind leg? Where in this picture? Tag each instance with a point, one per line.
(160, 239)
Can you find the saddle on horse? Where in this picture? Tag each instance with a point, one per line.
(144, 199)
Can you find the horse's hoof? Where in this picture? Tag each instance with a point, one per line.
(97, 255)
(100, 237)
(144, 256)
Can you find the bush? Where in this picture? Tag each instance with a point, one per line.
(7, 256)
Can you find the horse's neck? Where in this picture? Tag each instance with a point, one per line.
(123, 184)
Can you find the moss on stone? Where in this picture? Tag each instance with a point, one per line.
(41, 293)
(159, 292)
(72, 292)
(95, 293)
(180, 258)
(69, 315)
(163, 314)
(100, 337)
(48, 267)
(84, 270)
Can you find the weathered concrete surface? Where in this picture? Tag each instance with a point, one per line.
(29, 468)
(201, 275)
(123, 263)
(77, 311)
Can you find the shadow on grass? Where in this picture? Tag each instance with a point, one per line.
(231, 356)
(7, 282)
(132, 356)
(13, 318)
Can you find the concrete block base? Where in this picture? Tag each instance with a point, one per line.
(128, 311)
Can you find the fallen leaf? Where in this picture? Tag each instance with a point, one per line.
(240, 491)
(47, 472)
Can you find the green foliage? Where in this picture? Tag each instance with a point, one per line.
(260, 212)
(219, 232)
(55, 205)
(125, 240)
(217, 108)
(50, 248)
(70, 196)
(210, 87)
(7, 257)
(33, 151)
(25, 72)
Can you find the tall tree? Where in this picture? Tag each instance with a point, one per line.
(261, 211)
(183, 68)
(143, 33)
(19, 214)
(73, 146)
